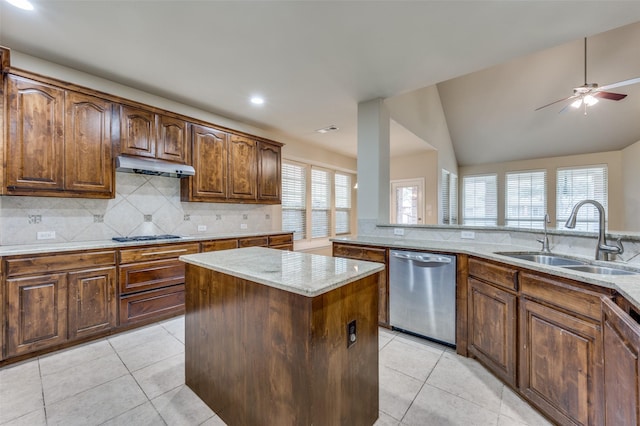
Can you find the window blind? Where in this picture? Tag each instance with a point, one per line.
(294, 199)
(320, 203)
(445, 208)
(453, 198)
(526, 199)
(342, 185)
(480, 200)
(577, 184)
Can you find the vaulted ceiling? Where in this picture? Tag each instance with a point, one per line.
(314, 61)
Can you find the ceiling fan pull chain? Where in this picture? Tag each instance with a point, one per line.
(585, 61)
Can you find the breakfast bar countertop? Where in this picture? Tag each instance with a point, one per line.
(301, 273)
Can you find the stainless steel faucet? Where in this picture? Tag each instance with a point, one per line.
(602, 248)
(545, 241)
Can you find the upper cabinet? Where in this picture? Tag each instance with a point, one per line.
(59, 141)
(232, 168)
(146, 134)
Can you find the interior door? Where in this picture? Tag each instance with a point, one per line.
(407, 205)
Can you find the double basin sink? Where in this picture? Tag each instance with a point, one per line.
(568, 263)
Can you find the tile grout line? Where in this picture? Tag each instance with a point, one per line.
(44, 404)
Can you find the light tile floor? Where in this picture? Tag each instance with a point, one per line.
(137, 378)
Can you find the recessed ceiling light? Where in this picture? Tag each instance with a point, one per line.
(328, 129)
(22, 4)
(257, 100)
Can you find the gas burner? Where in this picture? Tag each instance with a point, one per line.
(145, 238)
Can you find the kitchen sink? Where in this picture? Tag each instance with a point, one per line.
(603, 270)
(545, 259)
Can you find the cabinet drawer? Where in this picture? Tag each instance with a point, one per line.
(278, 240)
(360, 253)
(253, 242)
(31, 265)
(288, 247)
(143, 276)
(562, 294)
(493, 273)
(157, 252)
(219, 245)
(152, 305)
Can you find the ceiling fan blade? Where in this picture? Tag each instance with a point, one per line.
(555, 102)
(620, 83)
(608, 95)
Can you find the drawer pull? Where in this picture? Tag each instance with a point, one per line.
(155, 253)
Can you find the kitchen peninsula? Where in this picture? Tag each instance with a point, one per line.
(279, 337)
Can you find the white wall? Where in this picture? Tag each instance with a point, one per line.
(631, 187)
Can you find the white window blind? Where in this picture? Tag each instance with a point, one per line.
(343, 203)
(480, 200)
(526, 199)
(449, 198)
(320, 203)
(294, 199)
(577, 184)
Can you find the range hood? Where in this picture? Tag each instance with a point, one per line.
(153, 167)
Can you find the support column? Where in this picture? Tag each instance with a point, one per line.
(373, 164)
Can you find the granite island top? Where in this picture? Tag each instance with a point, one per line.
(627, 285)
(301, 273)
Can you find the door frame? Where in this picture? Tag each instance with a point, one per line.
(395, 183)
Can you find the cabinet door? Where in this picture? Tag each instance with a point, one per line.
(172, 139)
(137, 132)
(36, 313)
(209, 154)
(560, 365)
(492, 328)
(621, 336)
(88, 157)
(92, 301)
(242, 168)
(269, 172)
(35, 138)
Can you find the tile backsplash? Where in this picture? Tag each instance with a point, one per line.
(143, 205)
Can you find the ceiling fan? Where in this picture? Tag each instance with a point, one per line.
(587, 95)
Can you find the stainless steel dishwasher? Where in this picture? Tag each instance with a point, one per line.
(422, 294)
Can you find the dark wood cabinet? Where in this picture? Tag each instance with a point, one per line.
(36, 312)
(621, 338)
(242, 168)
(561, 350)
(269, 172)
(144, 133)
(35, 144)
(59, 142)
(92, 301)
(373, 254)
(209, 150)
(492, 323)
(87, 149)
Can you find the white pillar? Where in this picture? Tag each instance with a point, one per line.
(373, 164)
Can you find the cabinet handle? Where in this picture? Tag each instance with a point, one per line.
(155, 253)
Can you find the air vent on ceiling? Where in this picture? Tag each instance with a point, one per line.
(328, 129)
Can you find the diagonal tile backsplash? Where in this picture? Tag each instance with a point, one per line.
(143, 205)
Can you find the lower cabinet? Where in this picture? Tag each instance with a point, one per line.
(492, 328)
(92, 301)
(621, 338)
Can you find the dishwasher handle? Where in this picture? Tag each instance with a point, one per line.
(432, 259)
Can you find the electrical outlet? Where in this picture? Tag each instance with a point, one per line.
(398, 231)
(352, 335)
(467, 235)
(46, 235)
(243, 226)
(202, 228)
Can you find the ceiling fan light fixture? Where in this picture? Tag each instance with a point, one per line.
(590, 100)
(577, 103)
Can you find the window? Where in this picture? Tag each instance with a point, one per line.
(526, 199)
(316, 202)
(343, 203)
(449, 198)
(480, 200)
(575, 185)
(320, 203)
(294, 199)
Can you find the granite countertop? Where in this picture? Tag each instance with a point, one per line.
(627, 285)
(14, 250)
(301, 273)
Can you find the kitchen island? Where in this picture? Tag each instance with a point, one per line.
(286, 338)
